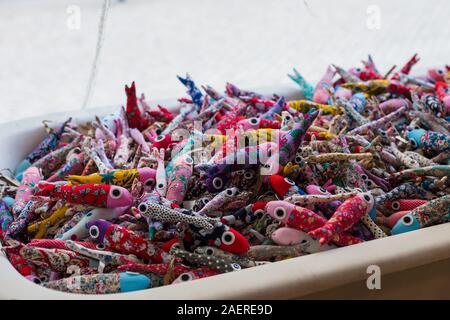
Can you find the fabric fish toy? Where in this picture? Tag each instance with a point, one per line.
(423, 216)
(221, 236)
(96, 195)
(348, 213)
(289, 236)
(429, 141)
(224, 201)
(284, 187)
(125, 241)
(133, 113)
(80, 231)
(47, 145)
(30, 178)
(178, 181)
(321, 95)
(291, 140)
(122, 178)
(306, 220)
(101, 283)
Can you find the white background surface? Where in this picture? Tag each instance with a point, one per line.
(44, 65)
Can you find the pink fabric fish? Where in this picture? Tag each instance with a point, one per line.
(321, 94)
(178, 180)
(31, 177)
(391, 105)
(348, 213)
(436, 74)
(343, 93)
(306, 220)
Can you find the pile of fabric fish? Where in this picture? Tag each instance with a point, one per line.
(146, 197)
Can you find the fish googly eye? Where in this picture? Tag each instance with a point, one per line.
(228, 238)
(159, 138)
(37, 280)
(235, 266)
(364, 177)
(254, 121)
(188, 160)
(440, 71)
(367, 198)
(407, 220)
(100, 246)
(289, 181)
(143, 207)
(94, 232)
(240, 172)
(115, 193)
(160, 185)
(149, 182)
(280, 213)
(413, 143)
(230, 192)
(248, 175)
(370, 183)
(158, 131)
(298, 159)
(322, 190)
(288, 118)
(185, 277)
(259, 212)
(395, 205)
(43, 279)
(217, 183)
(209, 251)
(204, 200)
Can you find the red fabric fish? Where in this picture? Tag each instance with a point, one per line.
(97, 195)
(134, 115)
(345, 216)
(125, 241)
(161, 115)
(407, 67)
(404, 204)
(25, 267)
(306, 220)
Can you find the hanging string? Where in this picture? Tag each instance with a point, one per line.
(100, 40)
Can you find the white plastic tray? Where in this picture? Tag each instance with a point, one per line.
(413, 265)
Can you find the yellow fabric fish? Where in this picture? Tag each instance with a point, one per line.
(122, 178)
(305, 105)
(372, 87)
